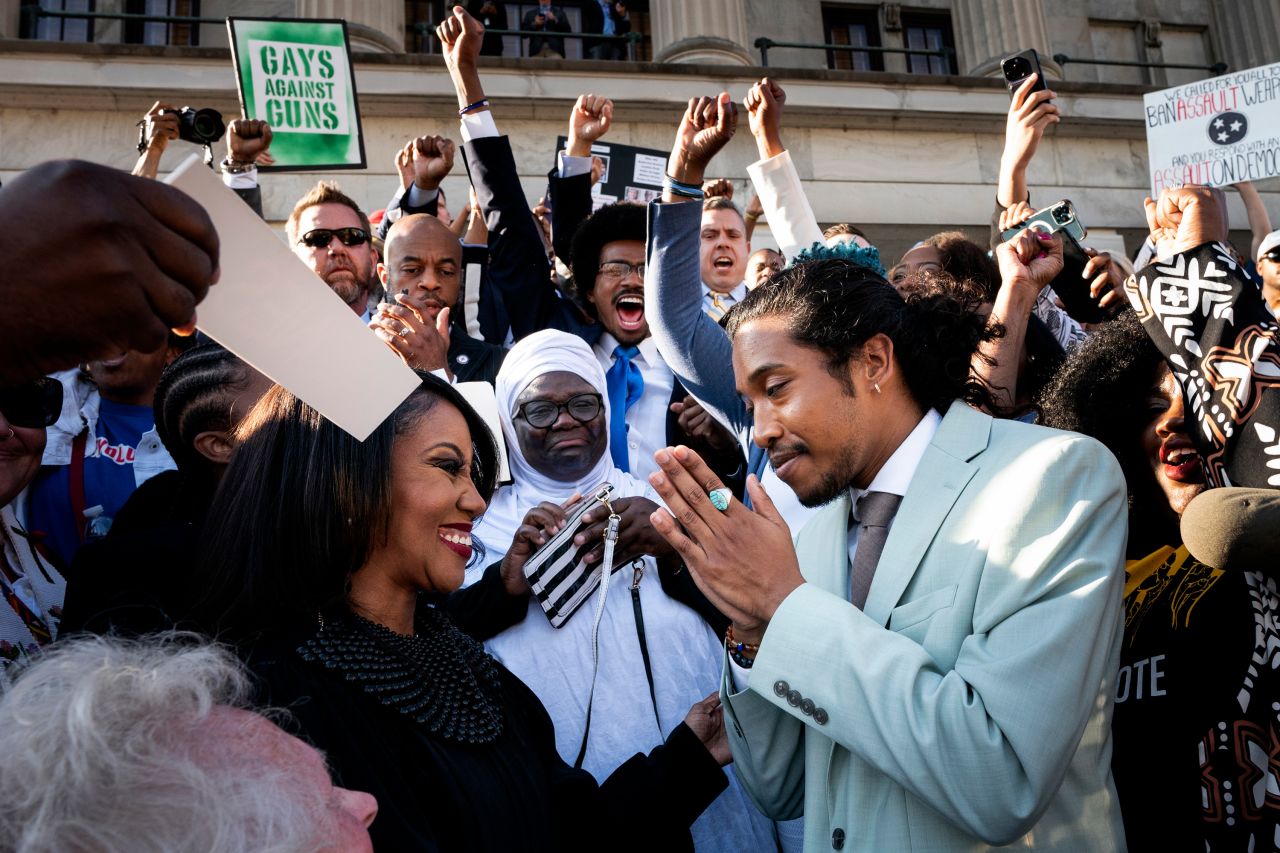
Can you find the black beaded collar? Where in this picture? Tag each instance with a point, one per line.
(440, 678)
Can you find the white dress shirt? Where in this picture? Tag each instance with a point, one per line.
(893, 477)
(647, 417)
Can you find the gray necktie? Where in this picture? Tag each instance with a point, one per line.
(875, 512)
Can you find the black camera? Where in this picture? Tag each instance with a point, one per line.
(203, 127)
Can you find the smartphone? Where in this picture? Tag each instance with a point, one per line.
(1057, 217)
(1019, 67)
(1070, 285)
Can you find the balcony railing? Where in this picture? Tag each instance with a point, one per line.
(631, 40)
(1217, 68)
(766, 44)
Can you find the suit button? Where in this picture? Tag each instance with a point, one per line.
(806, 707)
(780, 688)
(820, 716)
(837, 839)
(793, 698)
(463, 358)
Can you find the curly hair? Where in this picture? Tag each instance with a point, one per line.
(966, 260)
(620, 221)
(1101, 391)
(1101, 387)
(836, 306)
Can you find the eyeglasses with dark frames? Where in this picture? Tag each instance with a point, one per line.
(320, 238)
(618, 270)
(541, 414)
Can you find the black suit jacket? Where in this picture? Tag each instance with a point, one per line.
(593, 22)
(518, 267)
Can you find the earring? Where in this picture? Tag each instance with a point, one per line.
(876, 386)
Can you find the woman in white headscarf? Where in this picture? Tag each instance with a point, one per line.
(553, 461)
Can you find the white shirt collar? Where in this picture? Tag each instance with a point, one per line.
(648, 349)
(895, 475)
(738, 294)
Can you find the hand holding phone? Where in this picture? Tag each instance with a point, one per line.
(1019, 67)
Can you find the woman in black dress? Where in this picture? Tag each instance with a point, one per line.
(332, 562)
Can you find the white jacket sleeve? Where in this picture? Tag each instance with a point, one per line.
(786, 208)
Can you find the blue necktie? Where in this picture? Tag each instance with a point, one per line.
(625, 384)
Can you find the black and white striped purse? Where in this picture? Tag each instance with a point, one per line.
(561, 581)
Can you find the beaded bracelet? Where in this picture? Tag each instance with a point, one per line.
(483, 102)
(737, 650)
(680, 188)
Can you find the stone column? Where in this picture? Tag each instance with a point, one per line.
(372, 25)
(989, 30)
(701, 31)
(10, 18)
(1245, 32)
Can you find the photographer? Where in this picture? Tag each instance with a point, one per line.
(164, 122)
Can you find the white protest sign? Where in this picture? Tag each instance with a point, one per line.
(270, 309)
(484, 400)
(1215, 132)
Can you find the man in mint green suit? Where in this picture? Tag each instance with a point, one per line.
(956, 693)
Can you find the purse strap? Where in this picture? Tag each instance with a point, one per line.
(644, 646)
(606, 573)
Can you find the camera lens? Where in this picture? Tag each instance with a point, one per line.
(1061, 214)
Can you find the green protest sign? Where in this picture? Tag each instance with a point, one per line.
(296, 75)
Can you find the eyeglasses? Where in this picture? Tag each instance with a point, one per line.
(541, 414)
(618, 270)
(1273, 255)
(320, 238)
(34, 405)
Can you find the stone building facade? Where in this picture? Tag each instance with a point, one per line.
(900, 145)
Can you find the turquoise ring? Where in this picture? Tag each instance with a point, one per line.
(720, 498)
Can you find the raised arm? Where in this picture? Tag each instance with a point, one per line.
(518, 267)
(248, 145)
(776, 181)
(1209, 321)
(1029, 114)
(570, 183)
(423, 163)
(1027, 264)
(1259, 221)
(157, 127)
(694, 346)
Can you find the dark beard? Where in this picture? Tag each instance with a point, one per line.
(833, 485)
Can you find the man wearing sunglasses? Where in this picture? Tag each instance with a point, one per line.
(1269, 270)
(330, 233)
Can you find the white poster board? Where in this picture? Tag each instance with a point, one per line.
(271, 309)
(1215, 132)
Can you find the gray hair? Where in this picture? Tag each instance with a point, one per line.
(128, 745)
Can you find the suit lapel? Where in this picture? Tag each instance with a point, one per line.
(943, 473)
(823, 548)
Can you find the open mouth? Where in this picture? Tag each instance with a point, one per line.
(457, 538)
(1181, 462)
(722, 263)
(630, 308)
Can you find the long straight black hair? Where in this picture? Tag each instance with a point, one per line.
(301, 506)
